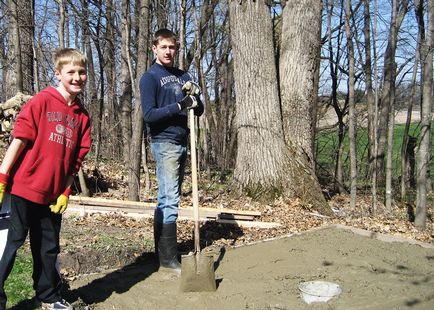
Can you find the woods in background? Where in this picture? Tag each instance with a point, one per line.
(270, 71)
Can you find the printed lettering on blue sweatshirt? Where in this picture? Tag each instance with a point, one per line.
(171, 79)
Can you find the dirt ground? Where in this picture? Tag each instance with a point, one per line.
(373, 274)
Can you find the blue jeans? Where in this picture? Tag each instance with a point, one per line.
(170, 162)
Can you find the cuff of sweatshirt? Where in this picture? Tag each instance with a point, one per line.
(67, 192)
(4, 177)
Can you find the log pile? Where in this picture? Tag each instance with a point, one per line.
(8, 113)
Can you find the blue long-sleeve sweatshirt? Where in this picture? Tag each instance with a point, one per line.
(160, 92)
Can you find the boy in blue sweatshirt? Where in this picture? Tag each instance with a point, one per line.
(165, 100)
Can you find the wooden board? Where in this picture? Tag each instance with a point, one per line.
(149, 207)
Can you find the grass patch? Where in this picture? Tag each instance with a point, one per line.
(19, 285)
(326, 149)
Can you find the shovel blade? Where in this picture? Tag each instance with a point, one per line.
(197, 273)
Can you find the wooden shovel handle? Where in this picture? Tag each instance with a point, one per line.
(194, 182)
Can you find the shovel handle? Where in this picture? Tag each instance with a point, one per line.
(194, 181)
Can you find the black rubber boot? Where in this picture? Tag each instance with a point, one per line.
(168, 248)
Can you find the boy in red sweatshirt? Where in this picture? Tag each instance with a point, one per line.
(51, 137)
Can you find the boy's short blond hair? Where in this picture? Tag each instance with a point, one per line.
(65, 56)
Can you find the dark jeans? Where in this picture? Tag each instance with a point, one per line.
(44, 229)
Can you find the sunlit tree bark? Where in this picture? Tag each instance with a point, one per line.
(424, 153)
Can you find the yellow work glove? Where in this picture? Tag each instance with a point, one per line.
(61, 203)
(3, 182)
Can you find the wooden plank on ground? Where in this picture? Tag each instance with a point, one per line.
(129, 206)
(149, 213)
(250, 224)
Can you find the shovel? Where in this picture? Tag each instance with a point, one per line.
(197, 271)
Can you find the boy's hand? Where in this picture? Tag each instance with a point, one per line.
(3, 182)
(189, 102)
(191, 88)
(62, 202)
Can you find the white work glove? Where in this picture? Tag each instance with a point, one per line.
(191, 88)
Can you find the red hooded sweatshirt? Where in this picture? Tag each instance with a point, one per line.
(58, 138)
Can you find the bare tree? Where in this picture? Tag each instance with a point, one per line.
(126, 92)
(399, 9)
(341, 109)
(370, 98)
(142, 63)
(61, 26)
(407, 141)
(111, 123)
(181, 35)
(351, 103)
(424, 153)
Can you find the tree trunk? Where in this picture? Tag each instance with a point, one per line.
(266, 164)
(390, 135)
(298, 62)
(61, 25)
(259, 160)
(125, 79)
(334, 61)
(21, 32)
(136, 140)
(111, 111)
(161, 14)
(182, 34)
(407, 143)
(351, 104)
(424, 153)
(370, 101)
(399, 9)
(83, 186)
(298, 65)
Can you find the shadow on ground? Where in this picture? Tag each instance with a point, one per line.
(121, 280)
(118, 281)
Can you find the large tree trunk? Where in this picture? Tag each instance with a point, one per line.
(424, 153)
(266, 163)
(21, 32)
(260, 160)
(298, 62)
(298, 65)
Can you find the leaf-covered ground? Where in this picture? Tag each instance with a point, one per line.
(95, 243)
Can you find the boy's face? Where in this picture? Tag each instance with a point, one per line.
(72, 78)
(165, 51)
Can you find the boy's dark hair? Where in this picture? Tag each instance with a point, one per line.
(163, 34)
(64, 56)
